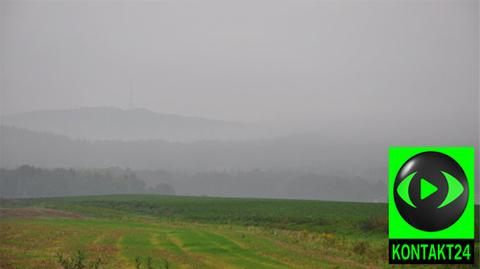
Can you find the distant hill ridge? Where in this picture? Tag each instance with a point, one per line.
(291, 167)
(106, 123)
(307, 152)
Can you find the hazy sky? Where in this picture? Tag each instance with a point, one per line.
(293, 62)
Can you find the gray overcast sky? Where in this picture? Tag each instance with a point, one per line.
(294, 62)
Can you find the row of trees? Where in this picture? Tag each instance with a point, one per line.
(295, 184)
(28, 181)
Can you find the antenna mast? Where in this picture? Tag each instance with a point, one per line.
(130, 103)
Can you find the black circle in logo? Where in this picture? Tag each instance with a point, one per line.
(435, 191)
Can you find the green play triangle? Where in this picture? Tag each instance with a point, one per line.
(426, 189)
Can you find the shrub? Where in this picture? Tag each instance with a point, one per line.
(138, 263)
(77, 261)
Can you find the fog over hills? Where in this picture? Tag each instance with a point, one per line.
(315, 165)
(106, 123)
(289, 167)
(306, 152)
(327, 152)
(298, 99)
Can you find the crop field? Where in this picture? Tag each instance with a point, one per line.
(148, 231)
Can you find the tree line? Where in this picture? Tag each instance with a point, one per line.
(28, 181)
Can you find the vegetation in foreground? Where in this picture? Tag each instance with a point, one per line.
(148, 231)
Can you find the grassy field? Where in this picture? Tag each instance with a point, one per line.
(192, 232)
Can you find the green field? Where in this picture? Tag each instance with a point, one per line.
(193, 232)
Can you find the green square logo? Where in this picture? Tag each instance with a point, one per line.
(431, 192)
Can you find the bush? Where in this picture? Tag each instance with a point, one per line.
(77, 261)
